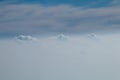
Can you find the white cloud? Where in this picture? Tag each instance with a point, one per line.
(22, 38)
(78, 58)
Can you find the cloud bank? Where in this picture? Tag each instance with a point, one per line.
(39, 19)
(50, 59)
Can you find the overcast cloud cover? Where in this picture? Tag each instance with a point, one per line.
(27, 18)
(51, 58)
(59, 40)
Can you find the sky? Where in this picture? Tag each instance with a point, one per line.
(59, 39)
(45, 17)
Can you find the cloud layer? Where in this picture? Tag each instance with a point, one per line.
(38, 19)
(78, 58)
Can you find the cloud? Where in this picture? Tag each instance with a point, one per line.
(116, 2)
(62, 37)
(92, 35)
(38, 19)
(79, 58)
(25, 38)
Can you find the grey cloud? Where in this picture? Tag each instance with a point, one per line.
(116, 3)
(92, 35)
(37, 19)
(62, 37)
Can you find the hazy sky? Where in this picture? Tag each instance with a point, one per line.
(60, 57)
(59, 40)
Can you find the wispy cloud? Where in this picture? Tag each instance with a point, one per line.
(38, 19)
(116, 2)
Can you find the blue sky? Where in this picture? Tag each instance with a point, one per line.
(95, 3)
(43, 17)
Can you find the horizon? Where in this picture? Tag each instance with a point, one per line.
(59, 39)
